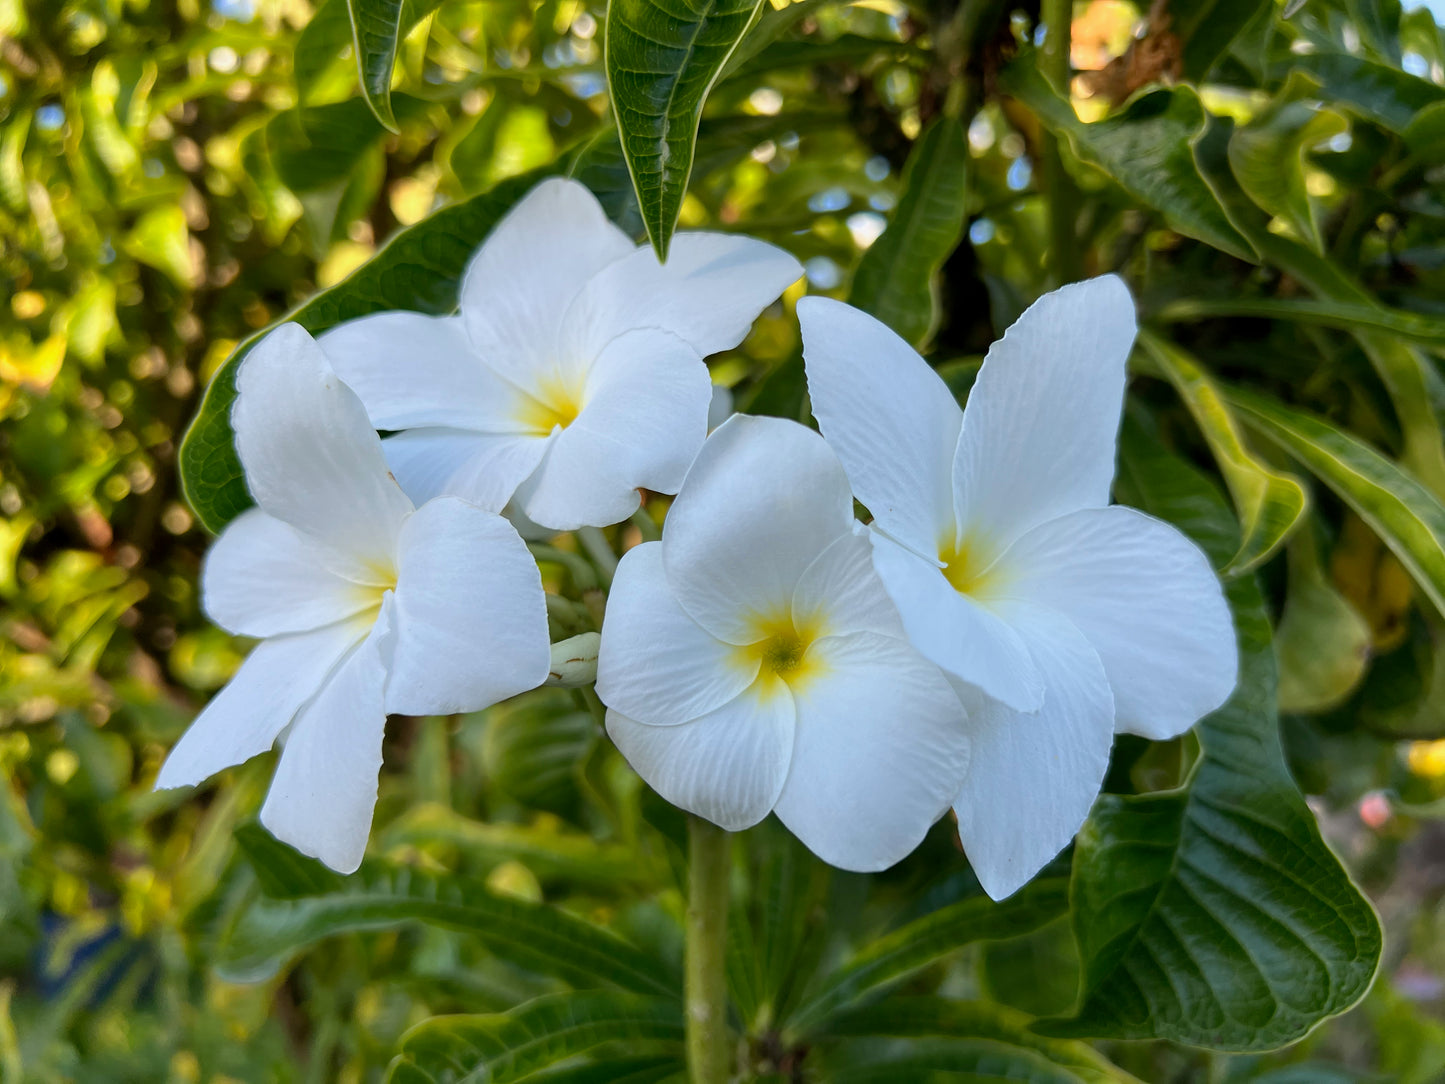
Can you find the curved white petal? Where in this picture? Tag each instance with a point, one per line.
(262, 578)
(968, 640)
(482, 468)
(470, 614)
(1034, 776)
(880, 752)
(1148, 601)
(324, 791)
(263, 696)
(709, 292)
(727, 766)
(413, 370)
(1042, 421)
(890, 418)
(843, 591)
(764, 497)
(643, 419)
(657, 665)
(311, 456)
(530, 269)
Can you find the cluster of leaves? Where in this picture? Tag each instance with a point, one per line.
(174, 178)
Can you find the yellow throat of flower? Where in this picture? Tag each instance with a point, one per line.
(781, 652)
(968, 565)
(553, 403)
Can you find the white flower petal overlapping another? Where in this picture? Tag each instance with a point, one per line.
(365, 605)
(752, 662)
(572, 375)
(1059, 618)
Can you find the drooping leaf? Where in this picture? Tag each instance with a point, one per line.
(1407, 516)
(926, 940)
(535, 936)
(1145, 150)
(1322, 643)
(1215, 914)
(1382, 93)
(546, 1032)
(375, 31)
(971, 1040)
(662, 59)
(1268, 502)
(1268, 155)
(895, 280)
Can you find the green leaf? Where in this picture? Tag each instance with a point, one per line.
(375, 30)
(662, 59)
(1407, 516)
(509, 1046)
(927, 940)
(1214, 914)
(535, 747)
(1269, 503)
(534, 936)
(1383, 94)
(161, 240)
(1268, 155)
(895, 280)
(1206, 27)
(1146, 150)
(283, 872)
(1322, 643)
(1347, 315)
(979, 1039)
(320, 45)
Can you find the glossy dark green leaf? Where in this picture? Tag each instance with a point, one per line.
(282, 871)
(926, 940)
(896, 278)
(1206, 28)
(546, 1032)
(1378, 91)
(535, 936)
(662, 59)
(1407, 516)
(1145, 150)
(968, 1040)
(1215, 914)
(1269, 503)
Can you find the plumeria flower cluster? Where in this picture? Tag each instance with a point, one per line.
(974, 647)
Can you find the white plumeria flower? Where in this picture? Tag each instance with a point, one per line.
(751, 661)
(364, 605)
(1059, 618)
(572, 375)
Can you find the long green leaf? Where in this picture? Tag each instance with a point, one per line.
(282, 871)
(1383, 93)
(895, 280)
(1347, 315)
(1215, 914)
(1145, 150)
(927, 940)
(1407, 516)
(662, 59)
(504, 1047)
(535, 936)
(1269, 503)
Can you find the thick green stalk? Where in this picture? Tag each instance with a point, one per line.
(709, 1053)
(1064, 263)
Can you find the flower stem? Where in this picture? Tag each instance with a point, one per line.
(1064, 265)
(709, 851)
(600, 550)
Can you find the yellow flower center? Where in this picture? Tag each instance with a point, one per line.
(967, 565)
(553, 403)
(380, 578)
(781, 652)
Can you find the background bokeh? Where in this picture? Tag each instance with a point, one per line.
(175, 175)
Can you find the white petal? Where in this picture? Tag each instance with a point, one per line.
(1042, 421)
(263, 578)
(709, 292)
(1034, 776)
(890, 418)
(412, 370)
(471, 617)
(727, 766)
(484, 469)
(311, 456)
(1148, 601)
(530, 269)
(880, 752)
(324, 791)
(263, 696)
(843, 590)
(764, 497)
(969, 641)
(657, 665)
(643, 419)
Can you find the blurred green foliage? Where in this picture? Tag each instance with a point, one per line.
(175, 177)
